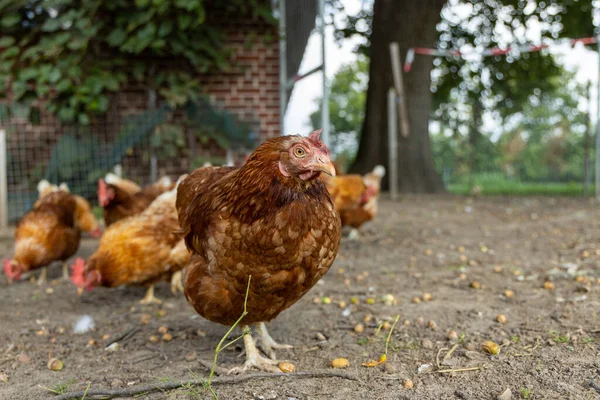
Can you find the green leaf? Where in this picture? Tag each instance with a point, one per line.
(10, 20)
(6, 41)
(11, 52)
(77, 43)
(51, 25)
(184, 21)
(116, 37)
(66, 114)
(19, 88)
(142, 3)
(63, 85)
(139, 71)
(54, 75)
(164, 29)
(83, 119)
(42, 89)
(31, 52)
(28, 73)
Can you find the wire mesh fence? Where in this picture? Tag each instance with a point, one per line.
(141, 147)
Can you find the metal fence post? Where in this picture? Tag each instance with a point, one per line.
(282, 67)
(325, 97)
(393, 142)
(3, 181)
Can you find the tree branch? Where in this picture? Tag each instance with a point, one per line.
(221, 380)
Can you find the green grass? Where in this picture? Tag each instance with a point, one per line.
(525, 392)
(505, 187)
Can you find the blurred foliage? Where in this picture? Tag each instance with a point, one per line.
(545, 142)
(347, 99)
(73, 54)
(219, 125)
(530, 92)
(167, 140)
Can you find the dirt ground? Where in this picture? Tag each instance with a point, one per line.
(464, 252)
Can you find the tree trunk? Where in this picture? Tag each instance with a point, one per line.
(410, 23)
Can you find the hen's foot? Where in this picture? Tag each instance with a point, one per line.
(353, 235)
(268, 344)
(254, 359)
(149, 298)
(177, 282)
(42, 279)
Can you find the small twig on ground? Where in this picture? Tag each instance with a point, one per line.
(594, 386)
(444, 371)
(448, 354)
(147, 358)
(123, 336)
(218, 370)
(220, 380)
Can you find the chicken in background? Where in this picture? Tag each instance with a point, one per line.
(118, 200)
(356, 197)
(127, 185)
(143, 250)
(270, 224)
(49, 232)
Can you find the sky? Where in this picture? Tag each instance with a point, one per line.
(579, 59)
(302, 102)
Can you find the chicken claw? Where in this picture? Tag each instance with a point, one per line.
(42, 278)
(149, 298)
(176, 282)
(267, 343)
(253, 358)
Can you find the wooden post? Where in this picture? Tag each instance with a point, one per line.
(597, 181)
(392, 143)
(3, 181)
(399, 85)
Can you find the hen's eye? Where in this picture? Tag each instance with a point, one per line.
(299, 151)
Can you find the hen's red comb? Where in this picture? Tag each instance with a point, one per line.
(7, 267)
(78, 269)
(315, 136)
(101, 188)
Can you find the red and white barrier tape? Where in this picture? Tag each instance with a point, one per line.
(495, 51)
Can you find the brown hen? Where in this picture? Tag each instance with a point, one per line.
(140, 250)
(356, 197)
(119, 200)
(271, 219)
(50, 232)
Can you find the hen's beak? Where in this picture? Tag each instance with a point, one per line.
(324, 164)
(79, 291)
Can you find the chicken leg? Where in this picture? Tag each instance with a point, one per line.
(176, 282)
(149, 298)
(65, 268)
(253, 357)
(42, 278)
(267, 343)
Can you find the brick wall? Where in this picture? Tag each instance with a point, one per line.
(251, 91)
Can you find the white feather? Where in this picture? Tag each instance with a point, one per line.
(112, 179)
(43, 185)
(379, 171)
(165, 181)
(83, 325)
